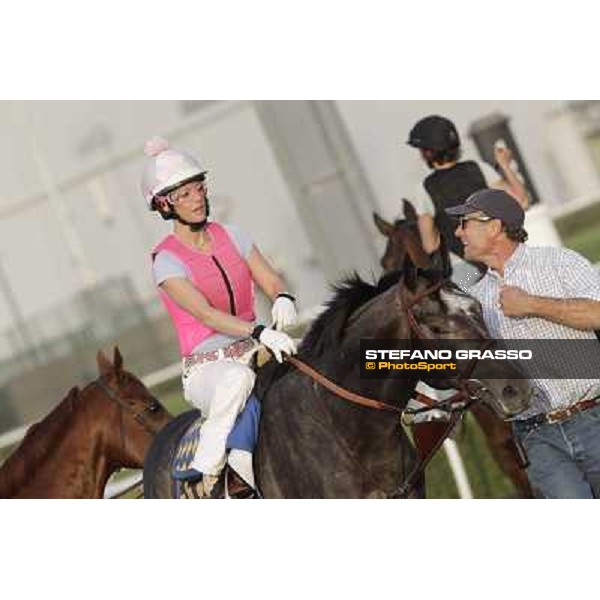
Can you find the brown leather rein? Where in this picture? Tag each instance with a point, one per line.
(340, 391)
(367, 402)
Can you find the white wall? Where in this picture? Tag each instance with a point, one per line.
(81, 142)
(105, 208)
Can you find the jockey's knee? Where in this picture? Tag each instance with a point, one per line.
(236, 384)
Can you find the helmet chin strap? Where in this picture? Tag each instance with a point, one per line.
(195, 226)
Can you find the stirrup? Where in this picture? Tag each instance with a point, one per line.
(236, 487)
(190, 490)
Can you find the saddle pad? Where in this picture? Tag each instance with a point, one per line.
(186, 449)
(243, 436)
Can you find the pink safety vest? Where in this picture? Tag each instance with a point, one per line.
(222, 276)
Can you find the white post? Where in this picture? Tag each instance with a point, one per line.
(458, 469)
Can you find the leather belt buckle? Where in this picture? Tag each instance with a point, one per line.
(556, 416)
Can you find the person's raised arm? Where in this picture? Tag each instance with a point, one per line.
(511, 182)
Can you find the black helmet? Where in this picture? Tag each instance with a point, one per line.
(434, 133)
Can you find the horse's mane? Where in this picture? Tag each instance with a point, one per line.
(328, 329)
(37, 444)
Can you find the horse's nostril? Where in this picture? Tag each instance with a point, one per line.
(509, 391)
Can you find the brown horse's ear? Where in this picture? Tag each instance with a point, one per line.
(118, 360)
(384, 227)
(410, 214)
(414, 248)
(104, 365)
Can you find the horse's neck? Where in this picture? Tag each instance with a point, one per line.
(61, 448)
(361, 445)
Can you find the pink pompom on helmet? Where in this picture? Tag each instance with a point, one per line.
(155, 146)
(166, 169)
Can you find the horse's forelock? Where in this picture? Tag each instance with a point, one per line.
(461, 304)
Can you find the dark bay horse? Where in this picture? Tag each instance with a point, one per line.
(72, 452)
(497, 432)
(314, 444)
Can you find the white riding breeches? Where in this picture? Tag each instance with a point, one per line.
(219, 389)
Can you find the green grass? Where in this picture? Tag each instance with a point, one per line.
(485, 477)
(580, 231)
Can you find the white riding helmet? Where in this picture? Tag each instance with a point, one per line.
(166, 169)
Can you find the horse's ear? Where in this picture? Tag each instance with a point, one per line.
(410, 275)
(118, 360)
(104, 365)
(385, 228)
(414, 248)
(410, 214)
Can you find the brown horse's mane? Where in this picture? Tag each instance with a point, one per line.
(38, 443)
(328, 329)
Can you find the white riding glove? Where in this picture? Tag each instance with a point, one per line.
(283, 312)
(277, 342)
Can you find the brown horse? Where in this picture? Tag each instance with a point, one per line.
(498, 433)
(93, 432)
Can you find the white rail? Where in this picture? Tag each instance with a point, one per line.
(457, 466)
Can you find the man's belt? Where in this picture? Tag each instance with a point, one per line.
(561, 414)
(234, 350)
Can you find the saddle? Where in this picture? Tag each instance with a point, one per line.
(243, 436)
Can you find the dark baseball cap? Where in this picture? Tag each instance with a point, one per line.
(497, 204)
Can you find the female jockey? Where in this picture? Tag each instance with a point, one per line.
(205, 272)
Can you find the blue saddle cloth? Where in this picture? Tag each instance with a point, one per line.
(243, 436)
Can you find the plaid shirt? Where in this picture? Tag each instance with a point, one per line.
(552, 272)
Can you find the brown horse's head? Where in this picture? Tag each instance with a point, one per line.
(403, 243)
(72, 452)
(136, 415)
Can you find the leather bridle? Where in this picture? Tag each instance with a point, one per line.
(456, 405)
(141, 417)
(464, 391)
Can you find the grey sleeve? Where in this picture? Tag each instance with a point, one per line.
(243, 242)
(166, 266)
(422, 201)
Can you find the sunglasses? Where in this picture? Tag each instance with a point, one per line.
(463, 220)
(185, 192)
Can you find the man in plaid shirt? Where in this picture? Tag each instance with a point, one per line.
(540, 293)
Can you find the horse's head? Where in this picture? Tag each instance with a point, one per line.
(136, 414)
(436, 309)
(440, 310)
(404, 243)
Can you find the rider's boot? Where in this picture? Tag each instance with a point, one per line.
(239, 481)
